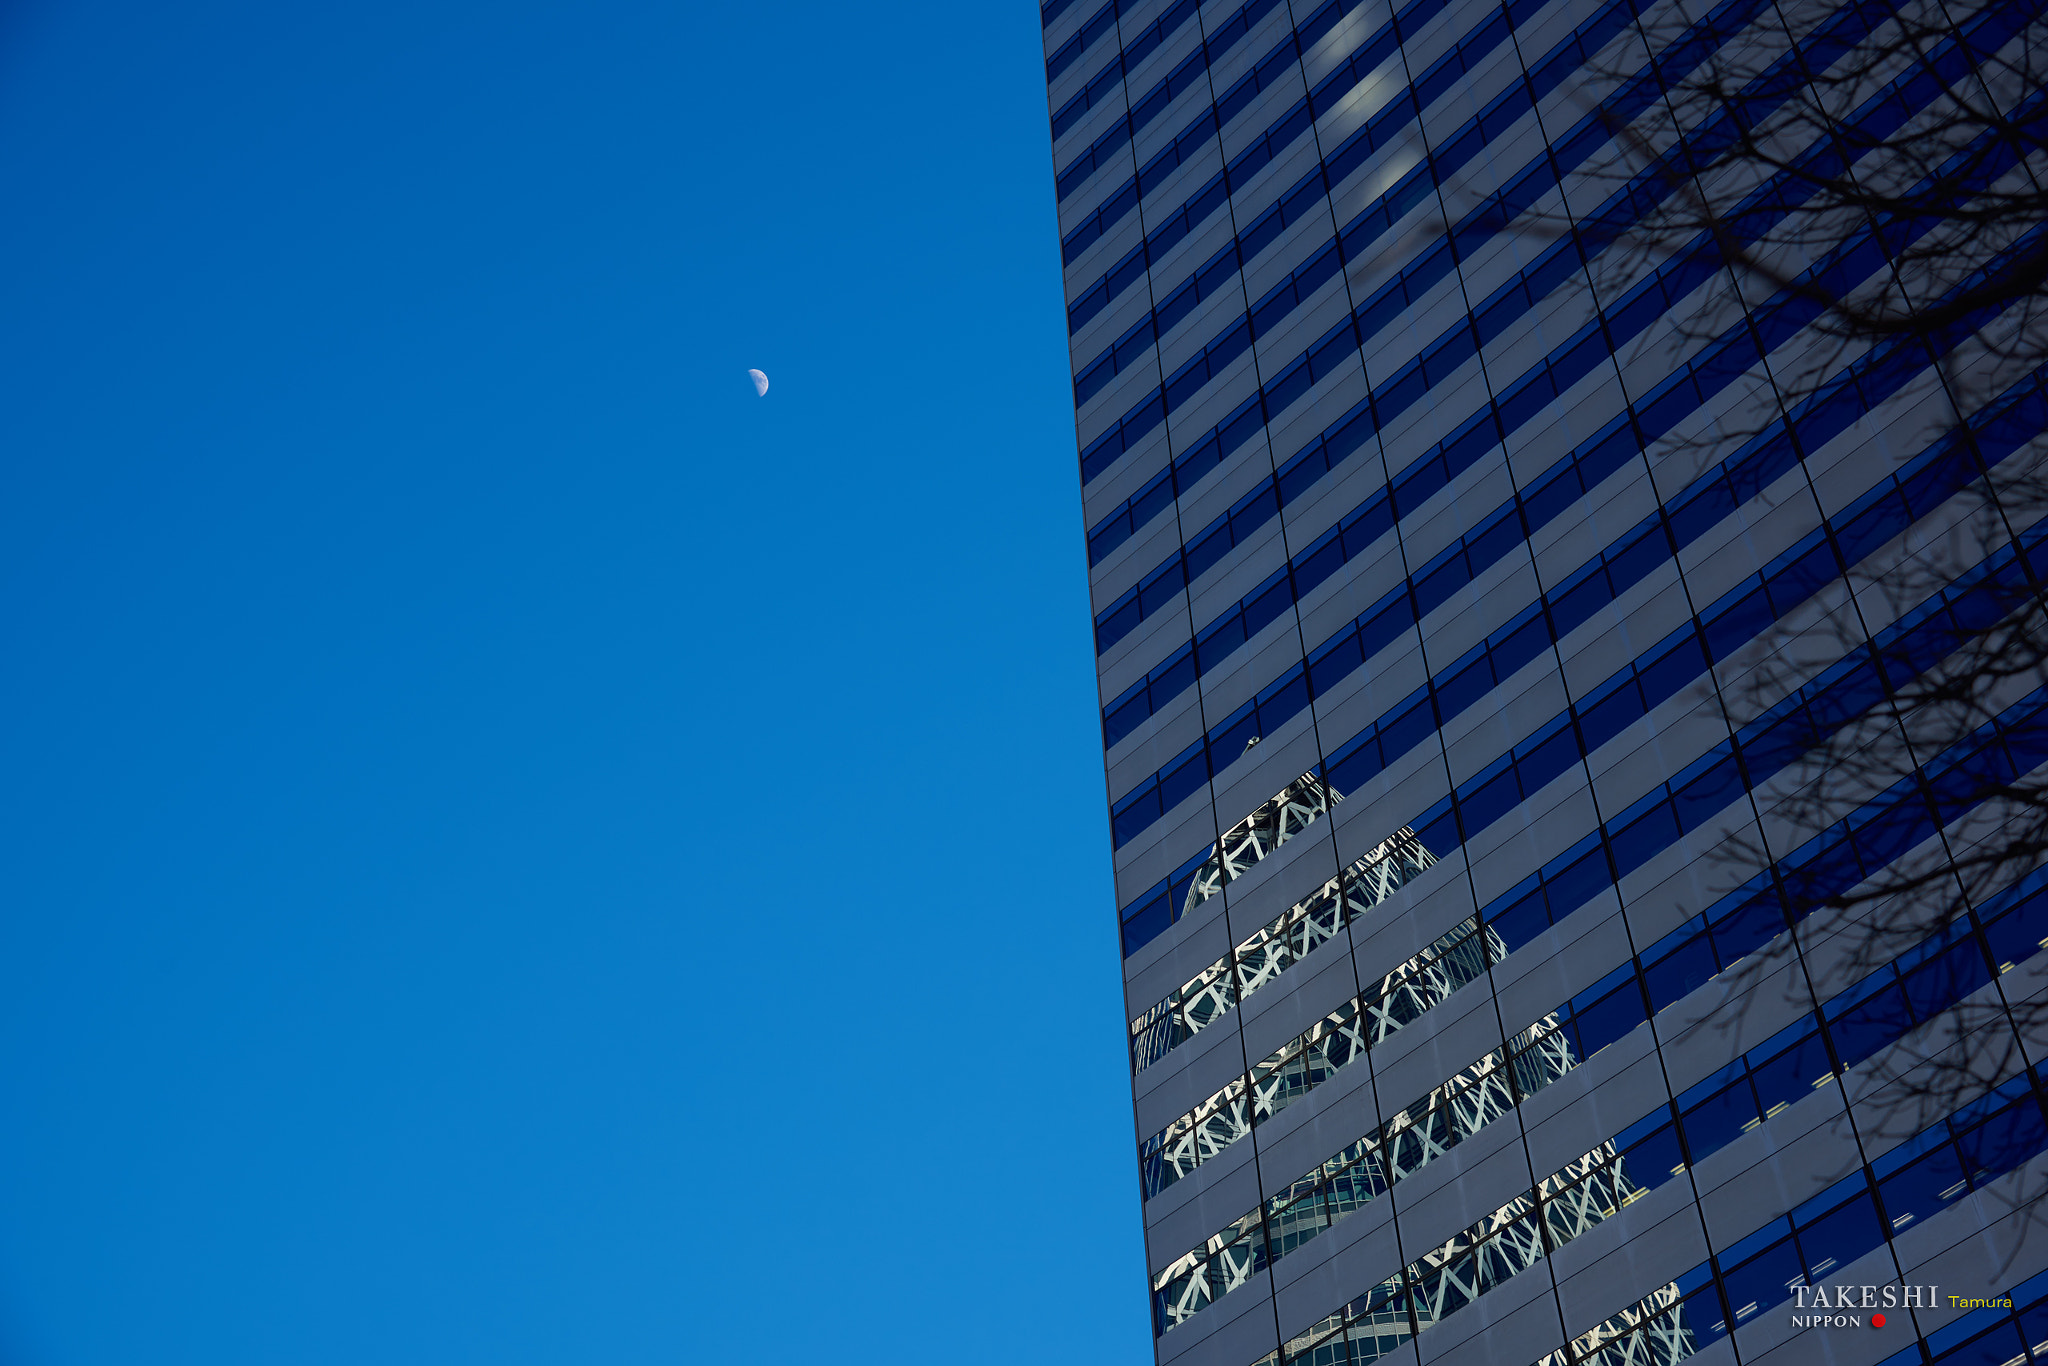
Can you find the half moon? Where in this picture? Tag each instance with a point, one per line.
(760, 382)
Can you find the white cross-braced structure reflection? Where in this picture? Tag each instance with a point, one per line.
(1457, 958)
(1650, 1332)
(1571, 1201)
(1269, 951)
(1291, 810)
(1410, 1140)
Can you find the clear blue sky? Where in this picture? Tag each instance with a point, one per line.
(515, 849)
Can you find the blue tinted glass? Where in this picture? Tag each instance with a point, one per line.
(2001, 1346)
(1923, 1187)
(1870, 1026)
(1146, 924)
(1645, 837)
(1933, 987)
(1840, 1237)
(2034, 1321)
(1680, 972)
(2017, 934)
(1652, 1160)
(1791, 1075)
(1720, 1119)
(2004, 1141)
(1577, 882)
(1607, 1019)
(1522, 919)
(1763, 1282)
(1747, 928)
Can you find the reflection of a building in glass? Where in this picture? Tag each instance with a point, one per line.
(1293, 935)
(1512, 1238)
(1558, 1209)
(1421, 576)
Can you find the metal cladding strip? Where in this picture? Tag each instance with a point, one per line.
(1779, 737)
(1214, 117)
(1592, 131)
(1123, 200)
(1688, 1314)
(1416, 186)
(1999, 429)
(1627, 561)
(1197, 136)
(1353, 241)
(1740, 923)
(1402, 110)
(1459, 147)
(1845, 690)
(1934, 974)
(1981, 1141)
(1051, 10)
(1350, 1178)
(1269, 951)
(1215, 44)
(1520, 400)
(1561, 261)
(1819, 557)
(1141, 46)
(1094, 27)
(1625, 436)
(1457, 958)
(1205, 201)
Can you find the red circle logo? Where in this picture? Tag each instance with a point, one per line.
(1877, 1320)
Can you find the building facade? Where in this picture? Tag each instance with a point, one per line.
(1430, 552)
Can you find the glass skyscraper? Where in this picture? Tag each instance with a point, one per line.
(1425, 550)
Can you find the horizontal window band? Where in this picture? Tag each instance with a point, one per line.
(1981, 1141)
(1737, 925)
(1051, 10)
(1353, 1177)
(1346, 158)
(1092, 29)
(1997, 431)
(1834, 860)
(1586, 137)
(1687, 516)
(1916, 986)
(1148, 40)
(1456, 959)
(1275, 65)
(1308, 194)
(1357, 237)
(1740, 615)
(1123, 199)
(1519, 402)
(1261, 958)
(1850, 1027)
(1191, 73)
